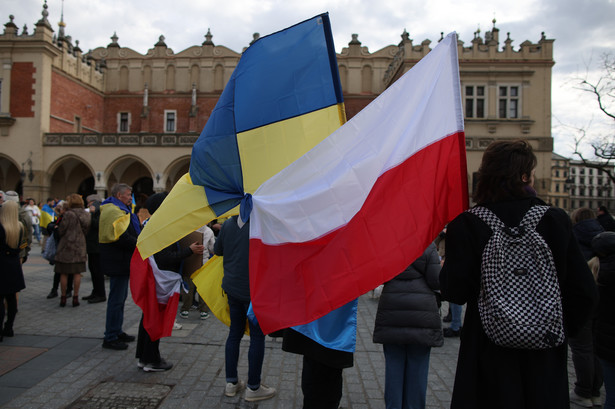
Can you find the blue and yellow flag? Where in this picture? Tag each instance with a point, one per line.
(282, 99)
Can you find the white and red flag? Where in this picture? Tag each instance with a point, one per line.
(156, 292)
(363, 204)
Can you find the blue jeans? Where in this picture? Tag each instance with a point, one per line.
(608, 373)
(406, 372)
(456, 310)
(36, 229)
(118, 291)
(256, 353)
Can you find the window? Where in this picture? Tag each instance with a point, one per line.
(556, 173)
(0, 95)
(77, 124)
(557, 187)
(591, 171)
(582, 180)
(508, 104)
(170, 121)
(123, 122)
(475, 101)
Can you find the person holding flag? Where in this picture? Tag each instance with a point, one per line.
(119, 229)
(233, 243)
(168, 263)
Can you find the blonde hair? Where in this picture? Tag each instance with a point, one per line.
(9, 218)
(594, 266)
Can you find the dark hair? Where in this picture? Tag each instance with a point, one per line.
(582, 213)
(501, 171)
(603, 208)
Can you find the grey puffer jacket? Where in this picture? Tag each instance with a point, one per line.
(408, 310)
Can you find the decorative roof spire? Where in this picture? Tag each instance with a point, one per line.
(113, 42)
(255, 37)
(208, 37)
(160, 42)
(355, 40)
(61, 24)
(43, 21)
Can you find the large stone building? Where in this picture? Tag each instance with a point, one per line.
(75, 121)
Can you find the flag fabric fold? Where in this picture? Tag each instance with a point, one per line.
(156, 292)
(363, 204)
(282, 99)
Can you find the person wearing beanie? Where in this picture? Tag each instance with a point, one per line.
(168, 259)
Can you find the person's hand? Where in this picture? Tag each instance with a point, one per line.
(197, 248)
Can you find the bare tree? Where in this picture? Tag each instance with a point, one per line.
(603, 90)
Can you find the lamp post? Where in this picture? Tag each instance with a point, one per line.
(23, 169)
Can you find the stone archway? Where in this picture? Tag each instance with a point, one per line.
(175, 171)
(69, 175)
(10, 176)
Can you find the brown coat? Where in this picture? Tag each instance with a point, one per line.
(71, 231)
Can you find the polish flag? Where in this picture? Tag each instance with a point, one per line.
(156, 292)
(362, 205)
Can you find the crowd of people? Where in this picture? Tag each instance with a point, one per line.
(479, 260)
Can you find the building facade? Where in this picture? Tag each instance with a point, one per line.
(74, 121)
(590, 187)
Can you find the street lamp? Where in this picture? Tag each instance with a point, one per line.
(23, 169)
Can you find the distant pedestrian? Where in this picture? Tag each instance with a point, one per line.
(119, 229)
(169, 260)
(26, 219)
(12, 238)
(408, 325)
(71, 253)
(98, 294)
(489, 375)
(605, 219)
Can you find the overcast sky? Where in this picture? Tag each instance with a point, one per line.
(583, 31)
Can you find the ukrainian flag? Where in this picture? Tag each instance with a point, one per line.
(282, 99)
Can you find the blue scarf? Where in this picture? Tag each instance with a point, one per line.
(134, 220)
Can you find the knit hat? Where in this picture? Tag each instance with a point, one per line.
(93, 198)
(12, 196)
(154, 201)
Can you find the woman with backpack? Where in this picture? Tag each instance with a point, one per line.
(497, 367)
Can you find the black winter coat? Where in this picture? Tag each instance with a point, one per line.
(115, 257)
(490, 376)
(408, 310)
(11, 273)
(585, 231)
(604, 324)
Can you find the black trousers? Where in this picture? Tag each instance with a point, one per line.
(11, 310)
(147, 350)
(321, 385)
(98, 278)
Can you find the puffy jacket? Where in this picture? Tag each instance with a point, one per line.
(408, 310)
(604, 324)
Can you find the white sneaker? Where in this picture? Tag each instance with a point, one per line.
(231, 389)
(184, 314)
(580, 400)
(204, 315)
(262, 393)
(177, 325)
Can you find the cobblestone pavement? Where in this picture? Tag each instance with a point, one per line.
(55, 360)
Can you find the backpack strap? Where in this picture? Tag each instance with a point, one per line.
(488, 217)
(533, 216)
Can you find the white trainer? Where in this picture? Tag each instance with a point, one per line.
(262, 393)
(231, 389)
